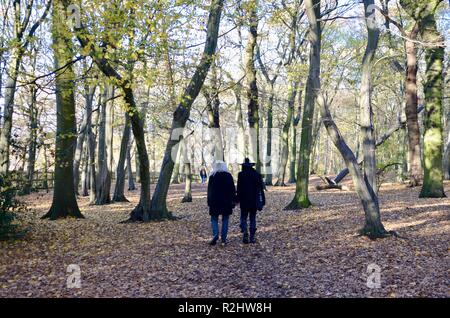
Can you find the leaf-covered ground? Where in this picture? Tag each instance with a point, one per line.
(308, 253)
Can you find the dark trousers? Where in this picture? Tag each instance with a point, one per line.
(248, 214)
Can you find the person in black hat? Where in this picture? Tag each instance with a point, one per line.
(250, 195)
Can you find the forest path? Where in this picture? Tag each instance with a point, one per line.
(309, 253)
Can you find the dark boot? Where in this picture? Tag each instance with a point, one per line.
(213, 241)
(252, 236)
(245, 239)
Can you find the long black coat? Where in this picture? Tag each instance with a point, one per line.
(248, 186)
(221, 194)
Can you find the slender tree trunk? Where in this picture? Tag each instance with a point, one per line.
(85, 167)
(268, 162)
(33, 117)
(176, 169)
(89, 96)
(252, 88)
(412, 122)
(103, 179)
(8, 108)
(285, 134)
(373, 226)
(365, 104)
(295, 121)
(131, 185)
(136, 162)
(447, 158)
(240, 123)
(64, 199)
(213, 109)
(188, 173)
(301, 198)
(182, 112)
(91, 150)
(119, 195)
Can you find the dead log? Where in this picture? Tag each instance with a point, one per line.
(320, 187)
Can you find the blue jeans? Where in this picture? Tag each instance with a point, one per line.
(215, 226)
(245, 214)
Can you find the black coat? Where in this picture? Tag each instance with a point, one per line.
(221, 194)
(248, 186)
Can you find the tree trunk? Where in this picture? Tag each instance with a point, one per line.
(301, 198)
(103, 179)
(64, 202)
(268, 161)
(33, 117)
(447, 158)
(365, 104)
(433, 186)
(182, 112)
(240, 123)
(285, 134)
(213, 109)
(373, 226)
(423, 13)
(85, 174)
(119, 195)
(252, 88)
(91, 150)
(136, 162)
(8, 108)
(188, 173)
(412, 122)
(88, 97)
(295, 121)
(176, 169)
(45, 182)
(131, 185)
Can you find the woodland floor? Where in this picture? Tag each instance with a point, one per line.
(308, 253)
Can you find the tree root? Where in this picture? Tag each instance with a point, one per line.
(120, 199)
(294, 205)
(373, 235)
(139, 215)
(186, 199)
(52, 214)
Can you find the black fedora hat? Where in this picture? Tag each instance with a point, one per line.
(247, 163)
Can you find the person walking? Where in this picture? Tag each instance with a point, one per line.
(250, 195)
(203, 174)
(221, 199)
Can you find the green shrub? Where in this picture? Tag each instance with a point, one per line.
(8, 206)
